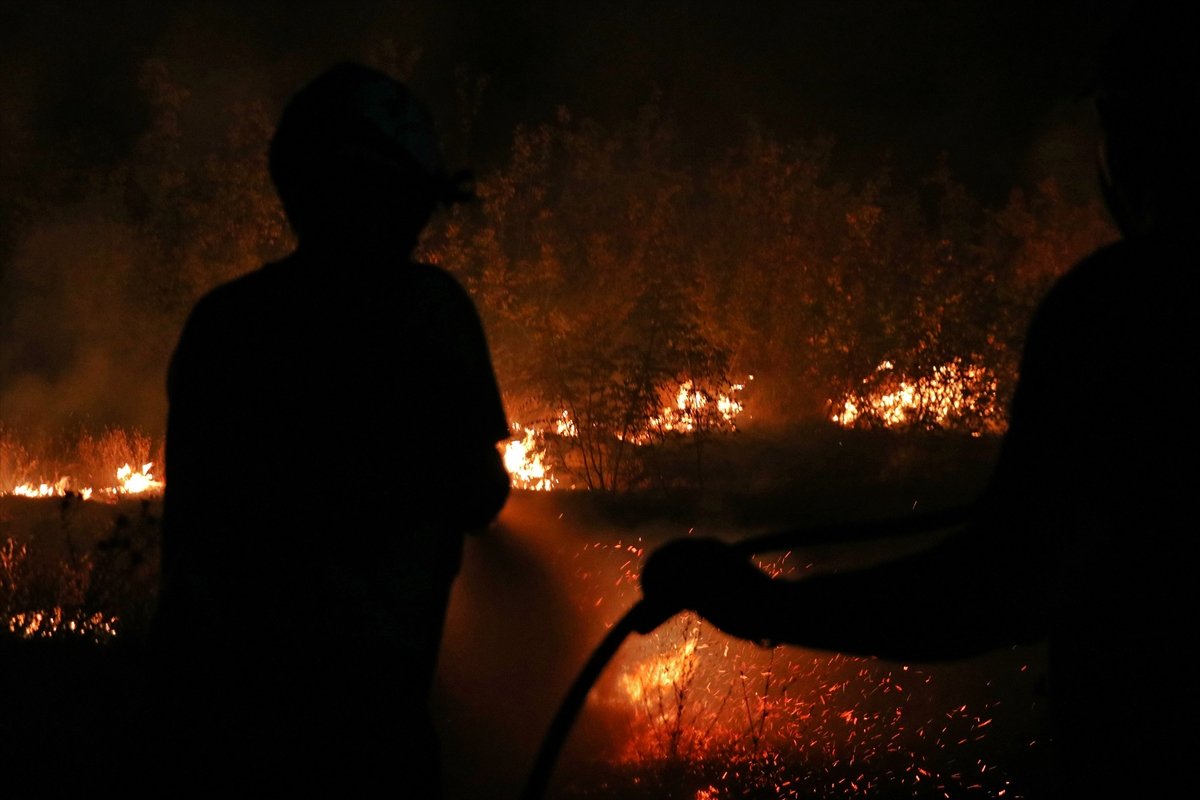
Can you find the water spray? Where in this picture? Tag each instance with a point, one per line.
(644, 618)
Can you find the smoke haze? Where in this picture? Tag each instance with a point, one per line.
(131, 174)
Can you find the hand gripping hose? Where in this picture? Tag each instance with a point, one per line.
(642, 617)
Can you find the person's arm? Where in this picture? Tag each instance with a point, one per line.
(959, 598)
(481, 422)
(987, 586)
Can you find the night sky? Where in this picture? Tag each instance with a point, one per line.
(1000, 89)
(995, 85)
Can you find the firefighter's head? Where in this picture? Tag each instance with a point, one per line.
(355, 157)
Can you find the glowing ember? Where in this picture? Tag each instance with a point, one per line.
(57, 623)
(729, 718)
(672, 670)
(564, 425)
(694, 408)
(955, 395)
(129, 482)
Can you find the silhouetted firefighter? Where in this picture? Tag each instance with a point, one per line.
(1084, 536)
(331, 436)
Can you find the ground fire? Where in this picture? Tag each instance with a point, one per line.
(685, 410)
(742, 720)
(952, 393)
(129, 481)
(783, 722)
(956, 394)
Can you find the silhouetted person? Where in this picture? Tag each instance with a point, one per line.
(1083, 537)
(331, 436)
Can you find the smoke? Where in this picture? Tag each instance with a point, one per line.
(133, 180)
(75, 349)
(109, 185)
(514, 638)
(535, 594)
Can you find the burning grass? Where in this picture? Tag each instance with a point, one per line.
(77, 570)
(108, 465)
(554, 455)
(955, 395)
(691, 712)
(686, 712)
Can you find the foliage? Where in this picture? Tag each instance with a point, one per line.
(609, 264)
(115, 253)
(609, 269)
(99, 579)
(76, 458)
(590, 294)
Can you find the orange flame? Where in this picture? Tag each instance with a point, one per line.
(129, 482)
(525, 460)
(951, 393)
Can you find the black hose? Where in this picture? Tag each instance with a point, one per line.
(639, 618)
(560, 726)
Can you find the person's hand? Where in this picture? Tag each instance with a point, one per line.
(709, 577)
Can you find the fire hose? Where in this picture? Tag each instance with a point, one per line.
(641, 617)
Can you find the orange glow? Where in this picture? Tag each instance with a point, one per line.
(56, 489)
(779, 722)
(525, 460)
(51, 622)
(670, 670)
(694, 408)
(954, 395)
(689, 410)
(128, 482)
